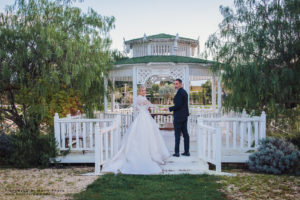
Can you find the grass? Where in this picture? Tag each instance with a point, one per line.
(153, 187)
(249, 185)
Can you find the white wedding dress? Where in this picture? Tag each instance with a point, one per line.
(143, 149)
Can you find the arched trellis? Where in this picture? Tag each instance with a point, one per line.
(141, 73)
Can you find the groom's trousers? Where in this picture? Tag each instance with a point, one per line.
(181, 127)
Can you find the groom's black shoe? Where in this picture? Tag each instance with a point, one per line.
(186, 154)
(176, 154)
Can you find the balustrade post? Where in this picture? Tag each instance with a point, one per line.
(200, 139)
(57, 130)
(219, 150)
(97, 149)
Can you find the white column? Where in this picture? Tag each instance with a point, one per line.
(134, 89)
(219, 95)
(213, 92)
(148, 50)
(187, 81)
(113, 96)
(105, 95)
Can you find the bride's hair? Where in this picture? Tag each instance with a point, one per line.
(141, 88)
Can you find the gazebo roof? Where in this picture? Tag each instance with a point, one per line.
(161, 37)
(174, 59)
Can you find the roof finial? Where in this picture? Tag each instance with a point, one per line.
(145, 37)
(177, 36)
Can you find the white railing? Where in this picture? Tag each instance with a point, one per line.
(209, 144)
(77, 134)
(157, 110)
(82, 131)
(107, 142)
(240, 133)
(162, 119)
(123, 110)
(201, 109)
(126, 118)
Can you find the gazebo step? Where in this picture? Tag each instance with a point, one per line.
(184, 164)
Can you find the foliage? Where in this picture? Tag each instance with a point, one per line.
(5, 147)
(167, 91)
(207, 92)
(258, 46)
(155, 88)
(66, 101)
(275, 156)
(26, 150)
(51, 54)
(153, 187)
(295, 139)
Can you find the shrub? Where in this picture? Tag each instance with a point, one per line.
(25, 149)
(275, 156)
(32, 151)
(5, 147)
(295, 139)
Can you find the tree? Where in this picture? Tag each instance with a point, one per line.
(167, 91)
(206, 92)
(48, 47)
(258, 46)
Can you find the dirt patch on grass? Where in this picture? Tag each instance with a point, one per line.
(50, 183)
(248, 185)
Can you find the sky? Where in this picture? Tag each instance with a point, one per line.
(134, 18)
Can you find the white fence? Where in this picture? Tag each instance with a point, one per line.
(126, 119)
(242, 132)
(209, 144)
(107, 142)
(234, 133)
(78, 134)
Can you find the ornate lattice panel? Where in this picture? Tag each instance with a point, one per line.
(178, 72)
(143, 74)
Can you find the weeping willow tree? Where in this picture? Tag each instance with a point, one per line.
(258, 46)
(48, 47)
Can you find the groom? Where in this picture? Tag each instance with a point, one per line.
(181, 113)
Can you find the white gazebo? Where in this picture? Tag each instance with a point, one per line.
(216, 137)
(164, 57)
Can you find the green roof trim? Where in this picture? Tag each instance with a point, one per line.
(161, 35)
(174, 59)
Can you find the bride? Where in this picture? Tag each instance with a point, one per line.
(143, 150)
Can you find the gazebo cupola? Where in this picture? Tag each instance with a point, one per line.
(161, 45)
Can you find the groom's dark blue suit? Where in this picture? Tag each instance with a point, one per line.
(181, 113)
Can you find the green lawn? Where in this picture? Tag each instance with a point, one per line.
(153, 187)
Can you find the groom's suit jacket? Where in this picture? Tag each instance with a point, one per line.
(180, 108)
